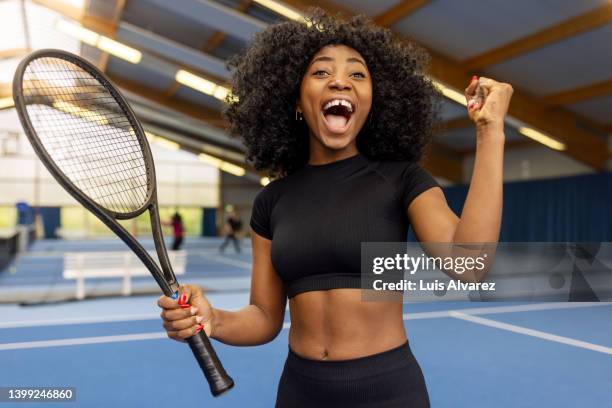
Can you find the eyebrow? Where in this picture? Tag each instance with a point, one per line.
(351, 59)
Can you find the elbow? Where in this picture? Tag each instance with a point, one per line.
(272, 324)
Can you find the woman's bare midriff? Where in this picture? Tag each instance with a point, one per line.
(338, 325)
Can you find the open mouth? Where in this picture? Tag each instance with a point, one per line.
(337, 114)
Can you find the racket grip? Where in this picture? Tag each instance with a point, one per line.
(214, 372)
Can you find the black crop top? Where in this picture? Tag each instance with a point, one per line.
(318, 216)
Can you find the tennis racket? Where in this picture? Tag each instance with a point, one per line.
(87, 136)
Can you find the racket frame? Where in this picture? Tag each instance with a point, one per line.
(165, 276)
(218, 380)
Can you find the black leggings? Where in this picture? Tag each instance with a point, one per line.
(392, 379)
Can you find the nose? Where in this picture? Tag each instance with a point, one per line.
(339, 84)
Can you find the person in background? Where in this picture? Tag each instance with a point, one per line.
(233, 225)
(178, 231)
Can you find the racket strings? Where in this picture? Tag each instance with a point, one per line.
(86, 133)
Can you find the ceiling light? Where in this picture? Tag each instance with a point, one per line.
(542, 138)
(221, 92)
(86, 114)
(77, 31)
(119, 50)
(264, 181)
(281, 9)
(161, 141)
(101, 42)
(450, 93)
(222, 165)
(6, 102)
(201, 84)
(232, 169)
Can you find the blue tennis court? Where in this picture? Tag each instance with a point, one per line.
(114, 350)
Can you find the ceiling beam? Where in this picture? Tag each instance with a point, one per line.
(99, 25)
(215, 15)
(218, 36)
(172, 50)
(562, 124)
(585, 22)
(398, 12)
(5, 90)
(13, 53)
(579, 94)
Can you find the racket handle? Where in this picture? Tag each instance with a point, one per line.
(214, 372)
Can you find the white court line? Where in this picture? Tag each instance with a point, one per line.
(505, 309)
(79, 320)
(286, 325)
(81, 341)
(406, 316)
(531, 332)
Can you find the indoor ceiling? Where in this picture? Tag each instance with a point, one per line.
(555, 53)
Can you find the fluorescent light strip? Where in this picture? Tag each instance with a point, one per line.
(542, 138)
(450, 93)
(101, 42)
(77, 31)
(222, 165)
(119, 50)
(6, 102)
(281, 9)
(161, 141)
(81, 112)
(201, 84)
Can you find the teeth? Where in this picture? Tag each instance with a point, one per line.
(336, 102)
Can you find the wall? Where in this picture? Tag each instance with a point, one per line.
(182, 179)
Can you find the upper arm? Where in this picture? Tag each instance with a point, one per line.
(267, 290)
(431, 218)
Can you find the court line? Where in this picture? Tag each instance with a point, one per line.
(506, 309)
(79, 320)
(530, 332)
(406, 316)
(82, 341)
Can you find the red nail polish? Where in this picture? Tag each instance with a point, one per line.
(474, 78)
(199, 328)
(187, 306)
(182, 299)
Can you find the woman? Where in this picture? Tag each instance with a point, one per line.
(341, 111)
(178, 231)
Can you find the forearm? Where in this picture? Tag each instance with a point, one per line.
(249, 326)
(481, 216)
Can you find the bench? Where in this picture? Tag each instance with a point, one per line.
(125, 264)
